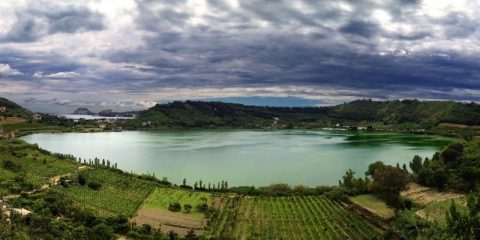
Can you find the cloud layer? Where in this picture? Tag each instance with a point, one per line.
(94, 51)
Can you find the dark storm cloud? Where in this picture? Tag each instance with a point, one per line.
(360, 28)
(33, 24)
(354, 49)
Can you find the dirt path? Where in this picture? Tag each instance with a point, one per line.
(53, 181)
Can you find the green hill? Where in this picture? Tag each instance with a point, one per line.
(12, 109)
(406, 113)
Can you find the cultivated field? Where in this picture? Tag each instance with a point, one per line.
(373, 205)
(425, 196)
(308, 217)
(435, 204)
(24, 167)
(119, 194)
(162, 197)
(437, 211)
(155, 210)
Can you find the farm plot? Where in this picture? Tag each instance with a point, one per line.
(155, 211)
(118, 194)
(162, 197)
(437, 211)
(306, 217)
(373, 205)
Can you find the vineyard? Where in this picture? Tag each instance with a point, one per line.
(119, 194)
(30, 168)
(306, 217)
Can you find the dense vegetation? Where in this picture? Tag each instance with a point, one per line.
(397, 114)
(13, 110)
(106, 192)
(68, 198)
(457, 168)
(25, 167)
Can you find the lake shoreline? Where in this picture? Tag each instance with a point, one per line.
(209, 145)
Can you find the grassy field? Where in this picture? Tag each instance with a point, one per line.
(119, 194)
(307, 217)
(24, 167)
(374, 205)
(162, 197)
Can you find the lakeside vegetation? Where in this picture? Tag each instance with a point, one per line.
(55, 196)
(442, 117)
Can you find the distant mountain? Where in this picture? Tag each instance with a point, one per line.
(406, 113)
(110, 113)
(83, 111)
(11, 109)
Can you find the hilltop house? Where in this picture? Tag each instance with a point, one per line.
(37, 116)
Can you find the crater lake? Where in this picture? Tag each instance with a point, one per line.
(244, 157)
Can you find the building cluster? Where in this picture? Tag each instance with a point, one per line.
(147, 123)
(3, 109)
(354, 128)
(37, 116)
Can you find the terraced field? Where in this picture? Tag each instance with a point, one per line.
(155, 211)
(308, 217)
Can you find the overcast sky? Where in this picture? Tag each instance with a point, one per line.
(126, 54)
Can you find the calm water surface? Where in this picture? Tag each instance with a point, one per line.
(244, 157)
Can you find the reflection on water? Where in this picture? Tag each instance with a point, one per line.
(244, 157)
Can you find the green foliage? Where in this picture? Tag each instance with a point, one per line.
(25, 167)
(407, 225)
(387, 183)
(460, 224)
(354, 185)
(82, 179)
(9, 165)
(416, 164)
(403, 114)
(109, 192)
(457, 167)
(94, 185)
(13, 109)
(465, 226)
(174, 207)
(165, 198)
(374, 166)
(55, 216)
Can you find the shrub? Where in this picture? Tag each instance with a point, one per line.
(202, 207)
(82, 179)
(175, 207)
(94, 185)
(7, 164)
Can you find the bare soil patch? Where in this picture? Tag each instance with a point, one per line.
(11, 120)
(166, 221)
(425, 195)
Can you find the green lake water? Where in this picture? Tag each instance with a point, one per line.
(244, 157)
